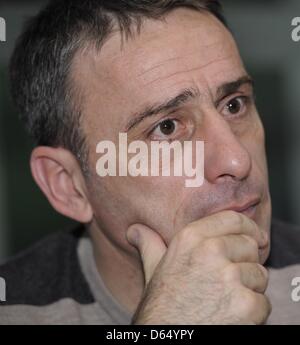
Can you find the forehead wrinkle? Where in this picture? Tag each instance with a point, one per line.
(187, 70)
(151, 69)
(133, 54)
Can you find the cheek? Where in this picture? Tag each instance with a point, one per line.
(254, 142)
(152, 201)
(162, 193)
(157, 201)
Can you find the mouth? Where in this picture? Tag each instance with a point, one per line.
(248, 209)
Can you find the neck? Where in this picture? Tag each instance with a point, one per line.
(121, 273)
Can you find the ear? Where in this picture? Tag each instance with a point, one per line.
(59, 176)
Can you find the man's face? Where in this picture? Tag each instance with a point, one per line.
(187, 51)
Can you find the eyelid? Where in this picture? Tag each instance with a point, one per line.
(249, 94)
(247, 98)
(168, 118)
(246, 101)
(171, 115)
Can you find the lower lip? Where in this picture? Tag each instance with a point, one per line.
(250, 211)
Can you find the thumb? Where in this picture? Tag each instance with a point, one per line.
(150, 246)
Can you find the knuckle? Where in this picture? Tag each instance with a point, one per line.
(252, 242)
(214, 246)
(232, 273)
(252, 249)
(249, 303)
(188, 236)
(263, 273)
(259, 277)
(236, 218)
(265, 308)
(253, 307)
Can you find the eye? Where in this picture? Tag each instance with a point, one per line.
(165, 129)
(236, 106)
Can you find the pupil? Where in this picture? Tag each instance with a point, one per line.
(234, 106)
(167, 127)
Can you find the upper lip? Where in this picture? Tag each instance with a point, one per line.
(243, 207)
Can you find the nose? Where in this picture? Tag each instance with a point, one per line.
(225, 156)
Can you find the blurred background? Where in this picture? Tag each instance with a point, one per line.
(263, 32)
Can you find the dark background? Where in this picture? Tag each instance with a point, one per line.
(263, 31)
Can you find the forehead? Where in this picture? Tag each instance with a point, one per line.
(186, 49)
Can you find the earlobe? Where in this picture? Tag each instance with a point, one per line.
(57, 173)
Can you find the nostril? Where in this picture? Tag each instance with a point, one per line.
(226, 178)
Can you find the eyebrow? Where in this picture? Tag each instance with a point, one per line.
(184, 97)
(232, 87)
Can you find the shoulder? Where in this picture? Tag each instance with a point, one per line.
(47, 272)
(285, 245)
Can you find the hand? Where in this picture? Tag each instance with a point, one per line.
(209, 274)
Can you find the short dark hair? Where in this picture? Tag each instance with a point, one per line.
(41, 86)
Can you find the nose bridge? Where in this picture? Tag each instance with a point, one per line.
(225, 155)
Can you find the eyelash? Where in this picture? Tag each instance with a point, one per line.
(161, 122)
(246, 100)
